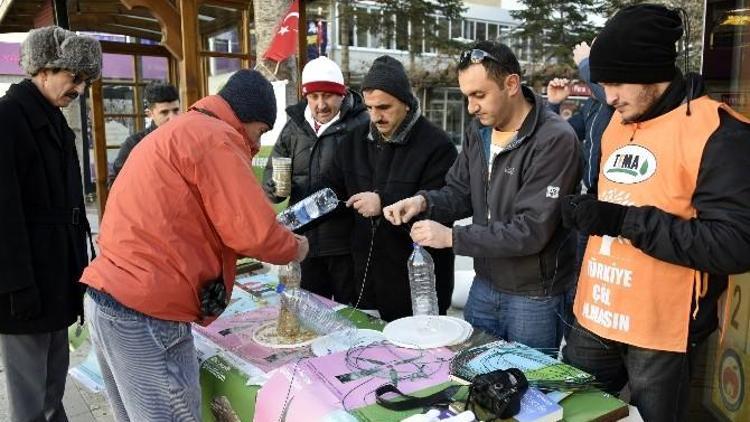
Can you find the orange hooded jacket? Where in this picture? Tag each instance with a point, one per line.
(184, 206)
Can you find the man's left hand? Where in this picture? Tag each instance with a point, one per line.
(367, 204)
(588, 215)
(431, 233)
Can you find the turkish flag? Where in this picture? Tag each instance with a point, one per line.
(284, 43)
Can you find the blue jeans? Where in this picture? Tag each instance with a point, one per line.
(149, 366)
(659, 381)
(534, 321)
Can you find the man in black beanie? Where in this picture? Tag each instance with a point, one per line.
(171, 263)
(670, 222)
(399, 153)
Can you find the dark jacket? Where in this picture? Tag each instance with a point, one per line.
(42, 238)
(589, 124)
(126, 148)
(417, 157)
(516, 239)
(312, 156)
(717, 241)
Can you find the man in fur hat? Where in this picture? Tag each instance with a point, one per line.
(44, 227)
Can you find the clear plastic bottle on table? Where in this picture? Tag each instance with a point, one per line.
(422, 282)
(315, 316)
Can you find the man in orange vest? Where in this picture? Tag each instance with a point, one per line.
(670, 220)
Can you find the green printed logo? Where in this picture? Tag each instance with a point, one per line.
(630, 164)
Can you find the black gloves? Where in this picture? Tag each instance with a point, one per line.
(25, 303)
(588, 215)
(213, 298)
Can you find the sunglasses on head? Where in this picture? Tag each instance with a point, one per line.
(476, 56)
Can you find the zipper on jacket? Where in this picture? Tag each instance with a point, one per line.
(635, 129)
(490, 171)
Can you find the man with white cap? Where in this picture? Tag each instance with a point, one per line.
(318, 124)
(44, 227)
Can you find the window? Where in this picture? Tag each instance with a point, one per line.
(443, 28)
(481, 28)
(445, 108)
(491, 31)
(124, 77)
(469, 30)
(456, 27)
(402, 34)
(360, 39)
(223, 43)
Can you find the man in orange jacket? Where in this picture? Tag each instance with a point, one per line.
(670, 221)
(186, 204)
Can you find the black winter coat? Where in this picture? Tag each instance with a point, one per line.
(312, 156)
(416, 158)
(42, 218)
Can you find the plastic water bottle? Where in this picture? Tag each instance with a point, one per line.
(315, 316)
(422, 281)
(314, 206)
(290, 276)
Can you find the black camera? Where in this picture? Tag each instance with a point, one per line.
(498, 392)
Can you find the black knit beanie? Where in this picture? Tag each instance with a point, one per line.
(637, 46)
(251, 97)
(388, 74)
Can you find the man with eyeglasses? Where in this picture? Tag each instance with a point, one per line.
(517, 161)
(43, 225)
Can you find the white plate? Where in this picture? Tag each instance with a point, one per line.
(468, 330)
(426, 331)
(329, 344)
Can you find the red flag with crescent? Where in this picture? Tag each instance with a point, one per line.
(284, 43)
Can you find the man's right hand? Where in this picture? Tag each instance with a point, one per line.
(25, 303)
(302, 247)
(580, 52)
(269, 187)
(558, 90)
(405, 209)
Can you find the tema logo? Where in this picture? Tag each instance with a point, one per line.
(630, 164)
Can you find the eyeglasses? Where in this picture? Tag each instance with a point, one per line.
(475, 56)
(79, 78)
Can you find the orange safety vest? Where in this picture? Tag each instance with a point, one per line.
(624, 294)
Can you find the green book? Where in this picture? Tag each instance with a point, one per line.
(593, 406)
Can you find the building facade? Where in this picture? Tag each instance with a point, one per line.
(442, 102)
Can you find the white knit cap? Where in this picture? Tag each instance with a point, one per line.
(322, 75)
